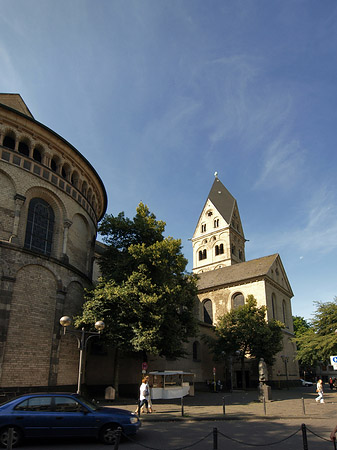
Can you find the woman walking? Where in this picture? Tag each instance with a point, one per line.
(319, 389)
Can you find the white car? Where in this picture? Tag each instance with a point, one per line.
(306, 383)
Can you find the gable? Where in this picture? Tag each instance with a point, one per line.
(16, 102)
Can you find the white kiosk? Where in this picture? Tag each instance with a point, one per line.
(171, 384)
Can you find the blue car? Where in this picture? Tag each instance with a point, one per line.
(62, 415)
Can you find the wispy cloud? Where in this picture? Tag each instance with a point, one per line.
(283, 164)
(318, 233)
(10, 80)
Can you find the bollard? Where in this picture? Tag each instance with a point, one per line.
(215, 439)
(224, 405)
(334, 444)
(264, 406)
(118, 434)
(182, 406)
(303, 405)
(10, 438)
(304, 436)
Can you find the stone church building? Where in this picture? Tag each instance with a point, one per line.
(51, 200)
(226, 279)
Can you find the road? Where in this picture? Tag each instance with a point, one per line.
(178, 435)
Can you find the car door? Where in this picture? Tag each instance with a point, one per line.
(34, 415)
(71, 418)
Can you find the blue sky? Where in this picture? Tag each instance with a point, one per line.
(158, 95)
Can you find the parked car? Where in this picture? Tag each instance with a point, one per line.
(306, 383)
(62, 415)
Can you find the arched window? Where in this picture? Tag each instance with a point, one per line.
(53, 165)
(37, 155)
(216, 250)
(9, 142)
(75, 179)
(23, 148)
(238, 300)
(273, 305)
(216, 223)
(284, 312)
(196, 351)
(208, 311)
(40, 226)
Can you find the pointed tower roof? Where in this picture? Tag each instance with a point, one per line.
(222, 199)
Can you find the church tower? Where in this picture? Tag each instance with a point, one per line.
(218, 240)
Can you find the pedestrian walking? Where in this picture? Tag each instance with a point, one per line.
(319, 390)
(144, 393)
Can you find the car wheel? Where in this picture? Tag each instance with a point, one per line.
(108, 434)
(4, 433)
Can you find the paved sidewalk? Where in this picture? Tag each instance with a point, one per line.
(295, 403)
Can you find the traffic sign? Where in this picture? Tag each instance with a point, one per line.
(144, 366)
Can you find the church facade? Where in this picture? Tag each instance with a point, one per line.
(226, 279)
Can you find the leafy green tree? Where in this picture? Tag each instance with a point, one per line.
(319, 342)
(145, 296)
(301, 327)
(245, 331)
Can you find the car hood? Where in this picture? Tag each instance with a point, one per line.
(117, 411)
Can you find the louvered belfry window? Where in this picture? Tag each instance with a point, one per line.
(40, 226)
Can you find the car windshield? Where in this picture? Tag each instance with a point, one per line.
(88, 403)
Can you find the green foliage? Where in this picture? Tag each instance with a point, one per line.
(301, 326)
(145, 297)
(245, 330)
(319, 342)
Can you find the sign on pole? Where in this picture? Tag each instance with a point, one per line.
(333, 362)
(144, 366)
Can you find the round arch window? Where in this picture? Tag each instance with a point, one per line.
(238, 300)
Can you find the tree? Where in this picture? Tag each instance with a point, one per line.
(319, 342)
(246, 332)
(301, 327)
(145, 297)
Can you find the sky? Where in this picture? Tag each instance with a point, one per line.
(160, 94)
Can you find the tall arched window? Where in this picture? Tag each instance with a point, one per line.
(238, 300)
(196, 351)
(40, 226)
(273, 305)
(284, 312)
(208, 311)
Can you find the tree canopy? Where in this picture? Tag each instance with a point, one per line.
(319, 342)
(144, 296)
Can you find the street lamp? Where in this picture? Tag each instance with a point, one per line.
(82, 337)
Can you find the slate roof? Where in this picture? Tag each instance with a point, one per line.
(222, 199)
(237, 273)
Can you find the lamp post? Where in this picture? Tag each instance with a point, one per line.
(82, 337)
(285, 359)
